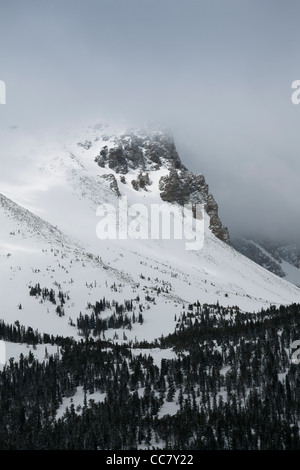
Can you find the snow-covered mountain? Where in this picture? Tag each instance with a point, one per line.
(279, 257)
(48, 212)
(114, 333)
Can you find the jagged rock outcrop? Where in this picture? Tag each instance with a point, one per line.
(102, 157)
(140, 150)
(184, 187)
(215, 223)
(173, 188)
(141, 182)
(150, 151)
(117, 160)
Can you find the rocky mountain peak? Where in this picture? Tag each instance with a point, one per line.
(148, 151)
(139, 149)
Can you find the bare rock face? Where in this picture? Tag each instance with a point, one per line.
(215, 223)
(102, 157)
(184, 187)
(162, 148)
(141, 182)
(150, 151)
(173, 188)
(117, 160)
(134, 154)
(141, 150)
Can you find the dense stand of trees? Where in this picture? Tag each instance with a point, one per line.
(96, 325)
(49, 294)
(17, 333)
(123, 316)
(231, 385)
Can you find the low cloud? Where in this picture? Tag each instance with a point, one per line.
(218, 74)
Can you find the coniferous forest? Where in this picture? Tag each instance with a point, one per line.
(234, 383)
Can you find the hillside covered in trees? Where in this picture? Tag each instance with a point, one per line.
(230, 383)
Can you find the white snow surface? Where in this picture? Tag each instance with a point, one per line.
(48, 236)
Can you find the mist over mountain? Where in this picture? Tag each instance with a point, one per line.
(281, 257)
(149, 227)
(202, 74)
(100, 330)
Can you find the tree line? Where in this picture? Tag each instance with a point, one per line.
(230, 384)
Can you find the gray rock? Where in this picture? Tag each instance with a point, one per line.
(141, 182)
(150, 151)
(184, 187)
(117, 160)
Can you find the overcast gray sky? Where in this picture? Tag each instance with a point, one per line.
(217, 72)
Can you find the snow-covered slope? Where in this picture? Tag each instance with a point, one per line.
(48, 237)
(280, 257)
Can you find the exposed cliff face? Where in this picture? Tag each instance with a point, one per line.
(216, 225)
(150, 151)
(184, 187)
